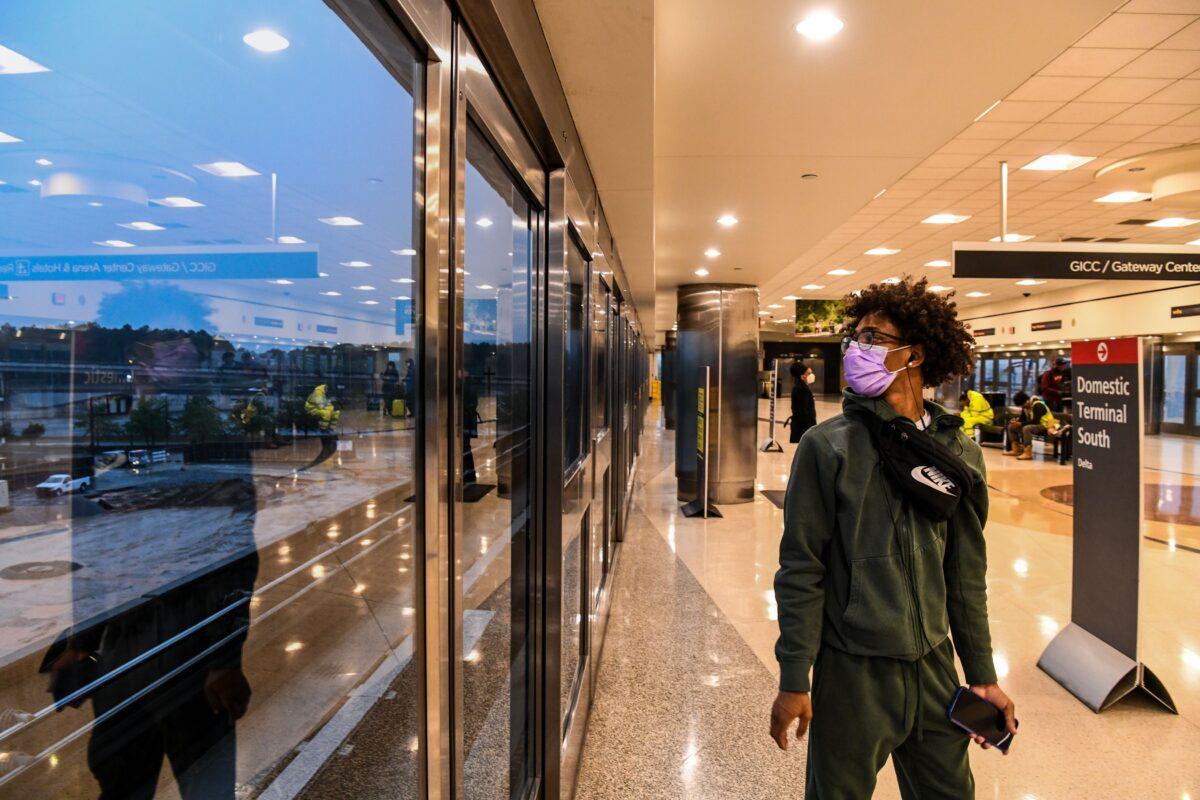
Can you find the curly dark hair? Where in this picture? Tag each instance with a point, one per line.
(925, 318)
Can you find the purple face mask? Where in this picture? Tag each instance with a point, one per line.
(865, 371)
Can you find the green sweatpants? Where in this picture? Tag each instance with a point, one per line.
(867, 708)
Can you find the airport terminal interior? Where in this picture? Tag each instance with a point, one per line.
(440, 399)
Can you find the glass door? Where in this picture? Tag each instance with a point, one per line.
(1180, 392)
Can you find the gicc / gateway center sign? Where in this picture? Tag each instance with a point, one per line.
(1077, 261)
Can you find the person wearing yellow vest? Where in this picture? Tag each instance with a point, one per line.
(1035, 419)
(976, 410)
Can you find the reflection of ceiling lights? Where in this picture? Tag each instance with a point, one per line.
(8, 138)
(228, 169)
(177, 202)
(812, 287)
(819, 26)
(775, 305)
(979, 294)
(355, 263)
(1029, 282)
(712, 252)
(114, 243)
(790, 297)
(487, 287)
(702, 272)
(840, 272)
(93, 203)
(282, 282)
(322, 274)
(290, 240)
(407, 251)
(403, 280)
(764, 313)
(1058, 162)
(1172, 222)
(1126, 196)
(366, 287)
(1012, 237)
(401, 297)
(882, 251)
(266, 41)
(727, 220)
(946, 219)
(939, 262)
(483, 222)
(892, 281)
(43, 162)
(141, 226)
(369, 302)
(35, 182)
(340, 222)
(13, 63)
(937, 287)
(332, 294)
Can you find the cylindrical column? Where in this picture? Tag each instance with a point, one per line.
(718, 328)
(668, 381)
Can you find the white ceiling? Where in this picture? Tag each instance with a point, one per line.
(744, 107)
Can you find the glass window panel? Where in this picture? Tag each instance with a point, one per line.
(573, 356)
(497, 529)
(1174, 387)
(190, 230)
(600, 356)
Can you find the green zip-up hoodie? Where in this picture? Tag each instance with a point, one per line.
(844, 578)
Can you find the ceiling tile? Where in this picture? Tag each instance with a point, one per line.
(1099, 62)
(1057, 130)
(1186, 39)
(1191, 118)
(1163, 64)
(1047, 87)
(1025, 110)
(1087, 112)
(971, 146)
(1187, 91)
(1150, 114)
(1162, 7)
(1134, 30)
(993, 130)
(1173, 134)
(1125, 90)
(1112, 132)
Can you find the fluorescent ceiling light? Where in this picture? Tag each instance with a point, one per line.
(403, 280)
(13, 63)
(986, 111)
(840, 271)
(812, 287)
(938, 262)
(882, 251)
(228, 169)
(365, 287)
(406, 251)
(1194, 243)
(879, 194)
(819, 26)
(289, 240)
(369, 302)
(43, 162)
(332, 294)
(1029, 282)
(266, 41)
(483, 222)
(177, 202)
(775, 305)
(1058, 162)
(114, 243)
(340, 221)
(790, 297)
(937, 287)
(892, 281)
(946, 219)
(141, 226)
(1012, 237)
(1172, 222)
(702, 272)
(355, 263)
(727, 220)
(712, 252)
(283, 282)
(8, 139)
(1126, 196)
(979, 294)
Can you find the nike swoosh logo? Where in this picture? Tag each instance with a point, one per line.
(944, 485)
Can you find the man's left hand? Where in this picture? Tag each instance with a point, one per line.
(227, 690)
(996, 696)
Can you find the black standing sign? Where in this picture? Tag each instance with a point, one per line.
(1076, 261)
(1096, 656)
(769, 445)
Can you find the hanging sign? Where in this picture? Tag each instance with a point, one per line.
(1077, 261)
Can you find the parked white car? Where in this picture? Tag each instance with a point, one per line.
(60, 484)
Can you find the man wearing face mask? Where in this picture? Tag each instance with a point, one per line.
(873, 578)
(804, 405)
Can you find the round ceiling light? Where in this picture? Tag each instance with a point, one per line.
(819, 26)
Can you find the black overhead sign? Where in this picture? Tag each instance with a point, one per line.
(1076, 261)
(1048, 325)
(1186, 311)
(983, 332)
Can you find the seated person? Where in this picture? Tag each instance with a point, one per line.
(1035, 419)
(976, 410)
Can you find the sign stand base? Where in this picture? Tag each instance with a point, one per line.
(769, 445)
(1097, 673)
(696, 509)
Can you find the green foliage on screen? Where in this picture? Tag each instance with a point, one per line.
(818, 316)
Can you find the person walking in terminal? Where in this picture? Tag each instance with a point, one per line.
(877, 569)
(804, 406)
(976, 410)
(1035, 419)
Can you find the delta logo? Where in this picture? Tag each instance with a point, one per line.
(58, 298)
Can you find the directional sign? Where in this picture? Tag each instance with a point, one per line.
(158, 263)
(1076, 261)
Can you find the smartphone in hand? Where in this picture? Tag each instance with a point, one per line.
(975, 715)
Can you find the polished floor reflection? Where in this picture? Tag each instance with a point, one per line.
(717, 739)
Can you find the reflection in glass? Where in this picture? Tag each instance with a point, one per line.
(1174, 387)
(573, 358)
(225, 557)
(496, 472)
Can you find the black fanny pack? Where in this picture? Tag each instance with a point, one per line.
(926, 472)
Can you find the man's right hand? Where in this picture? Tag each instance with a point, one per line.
(789, 707)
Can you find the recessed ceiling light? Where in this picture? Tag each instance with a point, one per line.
(937, 262)
(35, 182)
(937, 287)
(979, 294)
(177, 202)
(406, 251)
(702, 272)
(365, 287)
(266, 41)
(1012, 237)
(819, 26)
(340, 221)
(289, 240)
(1058, 162)
(812, 287)
(141, 226)
(790, 297)
(115, 243)
(840, 271)
(43, 162)
(403, 280)
(1029, 282)
(712, 252)
(1126, 196)
(945, 219)
(369, 302)
(282, 282)
(483, 222)
(882, 251)
(775, 305)
(892, 281)
(986, 111)
(95, 204)
(879, 194)
(332, 294)
(1172, 222)
(727, 220)
(764, 313)
(487, 287)
(355, 263)
(13, 63)
(228, 169)
(1194, 243)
